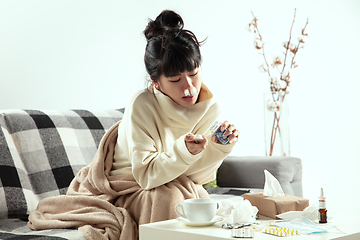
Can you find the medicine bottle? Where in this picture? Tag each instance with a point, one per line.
(216, 130)
(322, 208)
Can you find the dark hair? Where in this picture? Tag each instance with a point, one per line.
(170, 49)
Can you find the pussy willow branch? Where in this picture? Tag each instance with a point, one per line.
(260, 38)
(296, 50)
(268, 68)
(288, 44)
(298, 46)
(273, 136)
(274, 130)
(276, 122)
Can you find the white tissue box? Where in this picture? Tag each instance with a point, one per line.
(272, 206)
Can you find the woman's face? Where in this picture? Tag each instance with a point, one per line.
(174, 86)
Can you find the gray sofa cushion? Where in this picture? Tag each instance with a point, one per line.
(248, 172)
(42, 151)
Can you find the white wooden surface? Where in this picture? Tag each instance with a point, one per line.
(176, 230)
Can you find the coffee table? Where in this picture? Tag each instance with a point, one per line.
(349, 226)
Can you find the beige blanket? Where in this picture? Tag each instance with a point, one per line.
(111, 207)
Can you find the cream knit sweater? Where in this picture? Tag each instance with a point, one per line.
(151, 144)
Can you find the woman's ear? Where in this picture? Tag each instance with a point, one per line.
(156, 83)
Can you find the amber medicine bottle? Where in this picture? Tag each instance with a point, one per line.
(322, 208)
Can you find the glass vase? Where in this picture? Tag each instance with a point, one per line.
(276, 119)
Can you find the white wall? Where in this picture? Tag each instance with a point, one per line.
(89, 54)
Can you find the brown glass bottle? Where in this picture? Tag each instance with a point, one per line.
(322, 207)
(323, 216)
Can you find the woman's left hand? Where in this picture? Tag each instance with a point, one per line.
(195, 146)
(231, 132)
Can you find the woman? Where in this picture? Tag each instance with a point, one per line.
(156, 137)
(150, 161)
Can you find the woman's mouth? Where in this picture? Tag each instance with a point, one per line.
(188, 98)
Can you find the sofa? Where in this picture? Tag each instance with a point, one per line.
(42, 150)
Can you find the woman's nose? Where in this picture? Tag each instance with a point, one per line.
(188, 83)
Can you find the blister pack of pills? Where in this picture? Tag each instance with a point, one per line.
(281, 232)
(216, 130)
(245, 232)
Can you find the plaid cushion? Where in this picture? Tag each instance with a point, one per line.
(13, 228)
(41, 152)
(13, 236)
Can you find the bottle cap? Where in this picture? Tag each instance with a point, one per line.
(215, 126)
(322, 194)
(322, 199)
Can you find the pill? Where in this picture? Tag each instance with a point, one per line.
(198, 137)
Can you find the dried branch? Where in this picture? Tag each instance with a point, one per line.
(286, 53)
(262, 46)
(298, 46)
(275, 85)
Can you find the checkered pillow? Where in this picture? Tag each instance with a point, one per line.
(41, 152)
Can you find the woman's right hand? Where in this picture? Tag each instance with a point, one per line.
(195, 146)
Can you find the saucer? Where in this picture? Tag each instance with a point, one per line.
(200, 224)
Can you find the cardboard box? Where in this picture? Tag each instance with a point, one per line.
(272, 206)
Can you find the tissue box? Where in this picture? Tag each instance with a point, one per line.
(272, 206)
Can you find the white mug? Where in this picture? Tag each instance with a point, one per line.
(198, 210)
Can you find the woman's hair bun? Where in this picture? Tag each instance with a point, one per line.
(167, 21)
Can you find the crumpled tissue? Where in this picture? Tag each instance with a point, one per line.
(237, 211)
(311, 212)
(272, 187)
